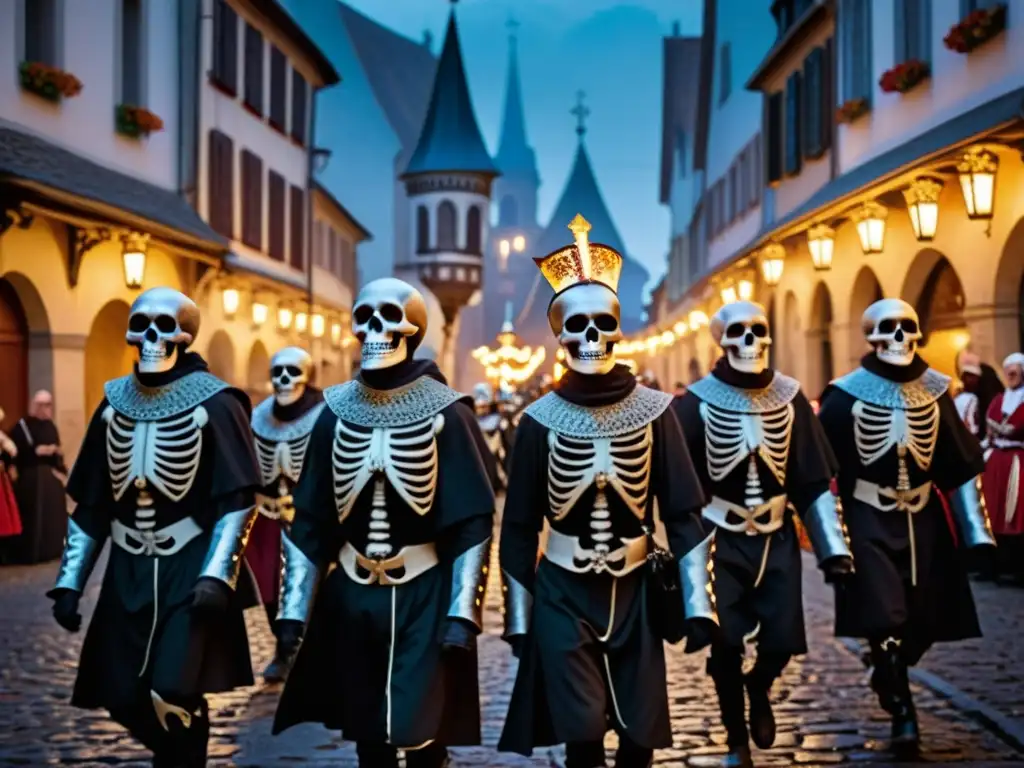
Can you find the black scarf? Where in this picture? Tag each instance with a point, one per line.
(729, 375)
(901, 374)
(593, 390)
(309, 399)
(402, 374)
(187, 362)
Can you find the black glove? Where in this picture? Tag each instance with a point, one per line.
(65, 609)
(459, 634)
(518, 643)
(837, 569)
(210, 595)
(700, 633)
(289, 637)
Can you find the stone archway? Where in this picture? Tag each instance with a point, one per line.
(257, 382)
(935, 290)
(13, 357)
(1009, 295)
(37, 342)
(220, 356)
(820, 365)
(106, 355)
(866, 291)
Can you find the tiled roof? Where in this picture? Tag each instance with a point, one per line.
(30, 159)
(284, 23)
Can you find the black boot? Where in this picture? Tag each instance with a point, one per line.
(759, 687)
(585, 754)
(374, 755)
(185, 746)
(726, 669)
(892, 685)
(277, 670)
(431, 756)
(738, 757)
(632, 755)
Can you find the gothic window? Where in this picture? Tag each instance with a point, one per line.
(422, 229)
(473, 234)
(508, 213)
(446, 226)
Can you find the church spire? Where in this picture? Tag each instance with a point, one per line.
(515, 155)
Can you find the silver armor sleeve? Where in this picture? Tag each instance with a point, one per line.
(230, 535)
(697, 574)
(298, 582)
(824, 523)
(80, 553)
(968, 507)
(517, 608)
(469, 582)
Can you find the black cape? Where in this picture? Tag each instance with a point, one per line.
(879, 601)
(188, 655)
(562, 691)
(341, 674)
(39, 493)
(776, 604)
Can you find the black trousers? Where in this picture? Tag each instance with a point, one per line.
(590, 754)
(725, 666)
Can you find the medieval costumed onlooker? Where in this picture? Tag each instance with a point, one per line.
(10, 519)
(168, 473)
(492, 427)
(761, 454)
(899, 439)
(981, 384)
(282, 425)
(395, 492)
(1004, 494)
(593, 459)
(39, 487)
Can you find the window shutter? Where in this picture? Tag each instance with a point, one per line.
(278, 80)
(793, 125)
(275, 211)
(299, 92)
(828, 93)
(773, 139)
(221, 184)
(298, 227)
(252, 200)
(813, 112)
(225, 47)
(254, 69)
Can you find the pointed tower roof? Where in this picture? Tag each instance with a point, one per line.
(450, 139)
(515, 155)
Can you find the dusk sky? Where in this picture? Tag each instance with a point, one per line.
(609, 48)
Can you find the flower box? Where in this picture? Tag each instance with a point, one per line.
(977, 28)
(51, 83)
(905, 77)
(136, 122)
(851, 110)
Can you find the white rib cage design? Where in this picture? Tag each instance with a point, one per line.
(283, 457)
(876, 430)
(623, 462)
(164, 454)
(731, 437)
(406, 456)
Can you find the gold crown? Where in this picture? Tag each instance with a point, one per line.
(581, 262)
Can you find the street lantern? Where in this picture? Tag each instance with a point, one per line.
(230, 300)
(259, 313)
(284, 318)
(301, 319)
(317, 325)
(870, 221)
(519, 243)
(336, 333)
(773, 259)
(745, 288)
(923, 206)
(133, 256)
(697, 319)
(821, 241)
(977, 172)
(680, 328)
(728, 295)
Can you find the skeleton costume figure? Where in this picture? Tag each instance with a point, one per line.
(899, 440)
(592, 462)
(395, 492)
(494, 427)
(282, 425)
(761, 455)
(168, 473)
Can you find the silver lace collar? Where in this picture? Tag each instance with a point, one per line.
(877, 390)
(356, 403)
(129, 398)
(635, 411)
(267, 426)
(715, 392)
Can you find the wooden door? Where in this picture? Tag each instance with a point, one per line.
(13, 357)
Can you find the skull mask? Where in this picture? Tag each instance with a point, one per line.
(506, 398)
(390, 320)
(586, 320)
(741, 329)
(161, 323)
(290, 369)
(483, 398)
(892, 328)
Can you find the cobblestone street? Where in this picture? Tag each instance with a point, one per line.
(971, 698)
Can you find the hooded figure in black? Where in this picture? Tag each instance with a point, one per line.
(395, 492)
(898, 438)
(591, 464)
(761, 455)
(166, 471)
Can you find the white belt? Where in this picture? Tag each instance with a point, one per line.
(719, 510)
(566, 552)
(891, 499)
(402, 568)
(166, 541)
